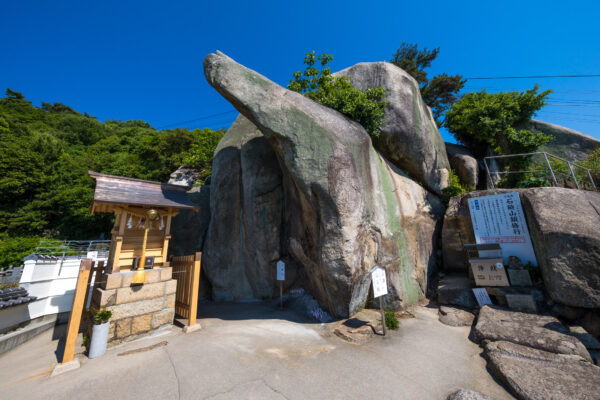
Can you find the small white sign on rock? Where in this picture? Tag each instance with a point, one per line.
(379, 281)
(280, 271)
(482, 296)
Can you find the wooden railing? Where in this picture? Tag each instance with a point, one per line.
(186, 269)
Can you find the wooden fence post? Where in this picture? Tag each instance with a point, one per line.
(77, 308)
(194, 292)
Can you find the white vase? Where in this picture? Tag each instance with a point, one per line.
(99, 340)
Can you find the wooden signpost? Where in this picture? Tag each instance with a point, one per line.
(281, 278)
(79, 299)
(379, 290)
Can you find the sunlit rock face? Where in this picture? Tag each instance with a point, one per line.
(343, 207)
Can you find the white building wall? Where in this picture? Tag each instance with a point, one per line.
(53, 283)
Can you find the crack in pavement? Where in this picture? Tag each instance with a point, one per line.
(235, 386)
(273, 389)
(175, 372)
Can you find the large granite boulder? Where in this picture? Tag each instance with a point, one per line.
(456, 231)
(188, 228)
(537, 331)
(533, 374)
(565, 230)
(243, 241)
(409, 135)
(345, 208)
(567, 143)
(184, 176)
(563, 224)
(464, 163)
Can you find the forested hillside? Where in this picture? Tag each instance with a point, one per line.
(45, 153)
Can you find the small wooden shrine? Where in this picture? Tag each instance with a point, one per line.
(143, 213)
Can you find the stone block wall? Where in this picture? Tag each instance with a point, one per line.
(137, 310)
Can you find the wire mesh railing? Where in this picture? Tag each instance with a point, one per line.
(549, 170)
(64, 249)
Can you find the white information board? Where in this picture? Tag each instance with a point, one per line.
(93, 255)
(500, 219)
(280, 271)
(379, 281)
(482, 296)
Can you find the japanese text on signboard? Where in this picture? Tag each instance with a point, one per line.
(379, 282)
(500, 219)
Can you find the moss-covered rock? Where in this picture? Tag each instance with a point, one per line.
(344, 207)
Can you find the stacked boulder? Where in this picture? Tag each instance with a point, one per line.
(297, 181)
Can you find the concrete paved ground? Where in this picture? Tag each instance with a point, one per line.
(254, 351)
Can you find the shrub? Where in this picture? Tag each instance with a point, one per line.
(533, 181)
(8, 285)
(391, 320)
(101, 316)
(14, 249)
(592, 162)
(454, 188)
(363, 106)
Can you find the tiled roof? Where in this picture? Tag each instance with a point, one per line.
(123, 190)
(14, 296)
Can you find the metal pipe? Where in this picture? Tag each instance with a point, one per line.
(591, 179)
(573, 175)
(551, 171)
(515, 155)
(488, 173)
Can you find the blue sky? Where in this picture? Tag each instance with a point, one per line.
(143, 59)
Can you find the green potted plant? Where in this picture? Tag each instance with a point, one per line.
(99, 333)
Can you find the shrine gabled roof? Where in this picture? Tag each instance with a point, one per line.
(131, 191)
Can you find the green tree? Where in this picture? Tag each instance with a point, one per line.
(45, 190)
(441, 91)
(200, 154)
(592, 162)
(484, 121)
(11, 94)
(14, 249)
(363, 106)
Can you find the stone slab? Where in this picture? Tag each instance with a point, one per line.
(123, 328)
(153, 275)
(166, 273)
(171, 286)
(111, 281)
(456, 290)
(66, 367)
(104, 297)
(141, 323)
(170, 301)
(140, 292)
(519, 277)
(537, 331)
(191, 328)
(521, 302)
(125, 310)
(538, 375)
(163, 317)
(455, 316)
